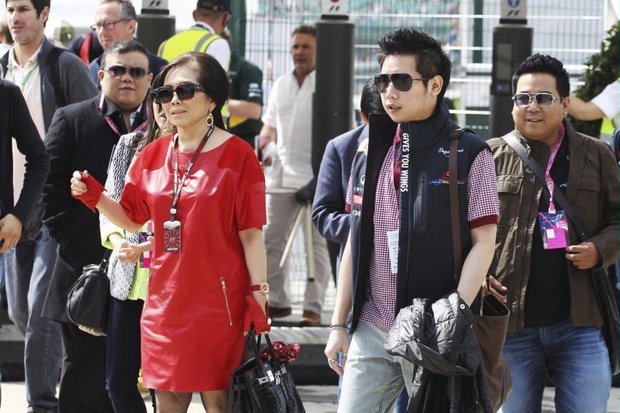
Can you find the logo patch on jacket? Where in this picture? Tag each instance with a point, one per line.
(444, 179)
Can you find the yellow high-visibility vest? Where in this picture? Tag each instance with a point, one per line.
(194, 39)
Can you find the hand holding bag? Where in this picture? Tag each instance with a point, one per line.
(259, 386)
(491, 324)
(88, 300)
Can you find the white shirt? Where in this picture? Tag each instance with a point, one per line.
(219, 48)
(289, 111)
(608, 101)
(28, 78)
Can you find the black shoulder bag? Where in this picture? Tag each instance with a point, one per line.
(599, 278)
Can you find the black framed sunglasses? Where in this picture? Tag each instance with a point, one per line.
(184, 91)
(401, 81)
(118, 71)
(543, 99)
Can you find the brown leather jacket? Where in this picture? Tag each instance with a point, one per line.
(593, 187)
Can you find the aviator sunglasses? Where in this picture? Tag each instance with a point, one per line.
(118, 71)
(543, 99)
(401, 81)
(184, 91)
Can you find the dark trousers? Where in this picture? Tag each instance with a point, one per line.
(123, 356)
(82, 384)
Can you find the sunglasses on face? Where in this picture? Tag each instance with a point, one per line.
(184, 91)
(543, 99)
(401, 81)
(134, 72)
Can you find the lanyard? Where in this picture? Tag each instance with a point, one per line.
(397, 162)
(110, 122)
(548, 179)
(26, 77)
(178, 183)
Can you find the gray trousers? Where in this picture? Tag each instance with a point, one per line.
(281, 212)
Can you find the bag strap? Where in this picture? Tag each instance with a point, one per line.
(103, 266)
(514, 142)
(455, 219)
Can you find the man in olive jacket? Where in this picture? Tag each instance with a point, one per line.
(555, 326)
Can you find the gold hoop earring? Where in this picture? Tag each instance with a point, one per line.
(209, 120)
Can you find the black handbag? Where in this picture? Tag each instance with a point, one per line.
(599, 277)
(262, 386)
(88, 300)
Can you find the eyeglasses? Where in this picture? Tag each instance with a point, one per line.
(106, 25)
(184, 91)
(118, 71)
(401, 81)
(543, 99)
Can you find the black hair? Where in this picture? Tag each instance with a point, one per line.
(38, 5)
(431, 60)
(211, 77)
(123, 47)
(543, 63)
(370, 102)
(305, 29)
(152, 129)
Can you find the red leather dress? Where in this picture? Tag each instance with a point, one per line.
(191, 327)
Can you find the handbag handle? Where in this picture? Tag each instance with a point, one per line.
(105, 260)
(512, 141)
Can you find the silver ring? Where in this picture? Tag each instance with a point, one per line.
(331, 360)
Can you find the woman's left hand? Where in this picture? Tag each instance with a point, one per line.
(128, 252)
(255, 316)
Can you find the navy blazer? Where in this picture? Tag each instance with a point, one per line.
(328, 209)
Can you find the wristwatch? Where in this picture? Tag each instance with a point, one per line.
(262, 287)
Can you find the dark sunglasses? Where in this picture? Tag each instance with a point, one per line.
(134, 72)
(184, 91)
(401, 81)
(543, 99)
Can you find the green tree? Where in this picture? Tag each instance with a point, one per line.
(601, 69)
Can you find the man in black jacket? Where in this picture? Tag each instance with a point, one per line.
(82, 137)
(399, 246)
(49, 77)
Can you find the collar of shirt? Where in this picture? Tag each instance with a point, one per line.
(13, 65)
(111, 110)
(205, 26)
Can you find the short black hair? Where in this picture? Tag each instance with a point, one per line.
(543, 63)
(305, 29)
(123, 47)
(38, 5)
(370, 102)
(431, 60)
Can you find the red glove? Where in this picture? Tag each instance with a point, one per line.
(93, 192)
(254, 315)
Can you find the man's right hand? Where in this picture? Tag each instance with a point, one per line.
(496, 288)
(337, 344)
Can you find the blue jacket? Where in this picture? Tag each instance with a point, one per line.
(328, 209)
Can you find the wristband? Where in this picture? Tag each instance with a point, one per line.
(339, 327)
(262, 287)
(94, 189)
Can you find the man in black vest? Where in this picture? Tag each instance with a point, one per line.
(81, 137)
(399, 247)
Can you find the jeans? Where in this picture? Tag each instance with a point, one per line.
(372, 378)
(281, 211)
(28, 273)
(123, 356)
(574, 358)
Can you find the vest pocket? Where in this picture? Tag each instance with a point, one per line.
(509, 190)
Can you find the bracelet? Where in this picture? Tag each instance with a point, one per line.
(339, 327)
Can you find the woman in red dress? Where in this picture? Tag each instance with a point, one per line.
(204, 190)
